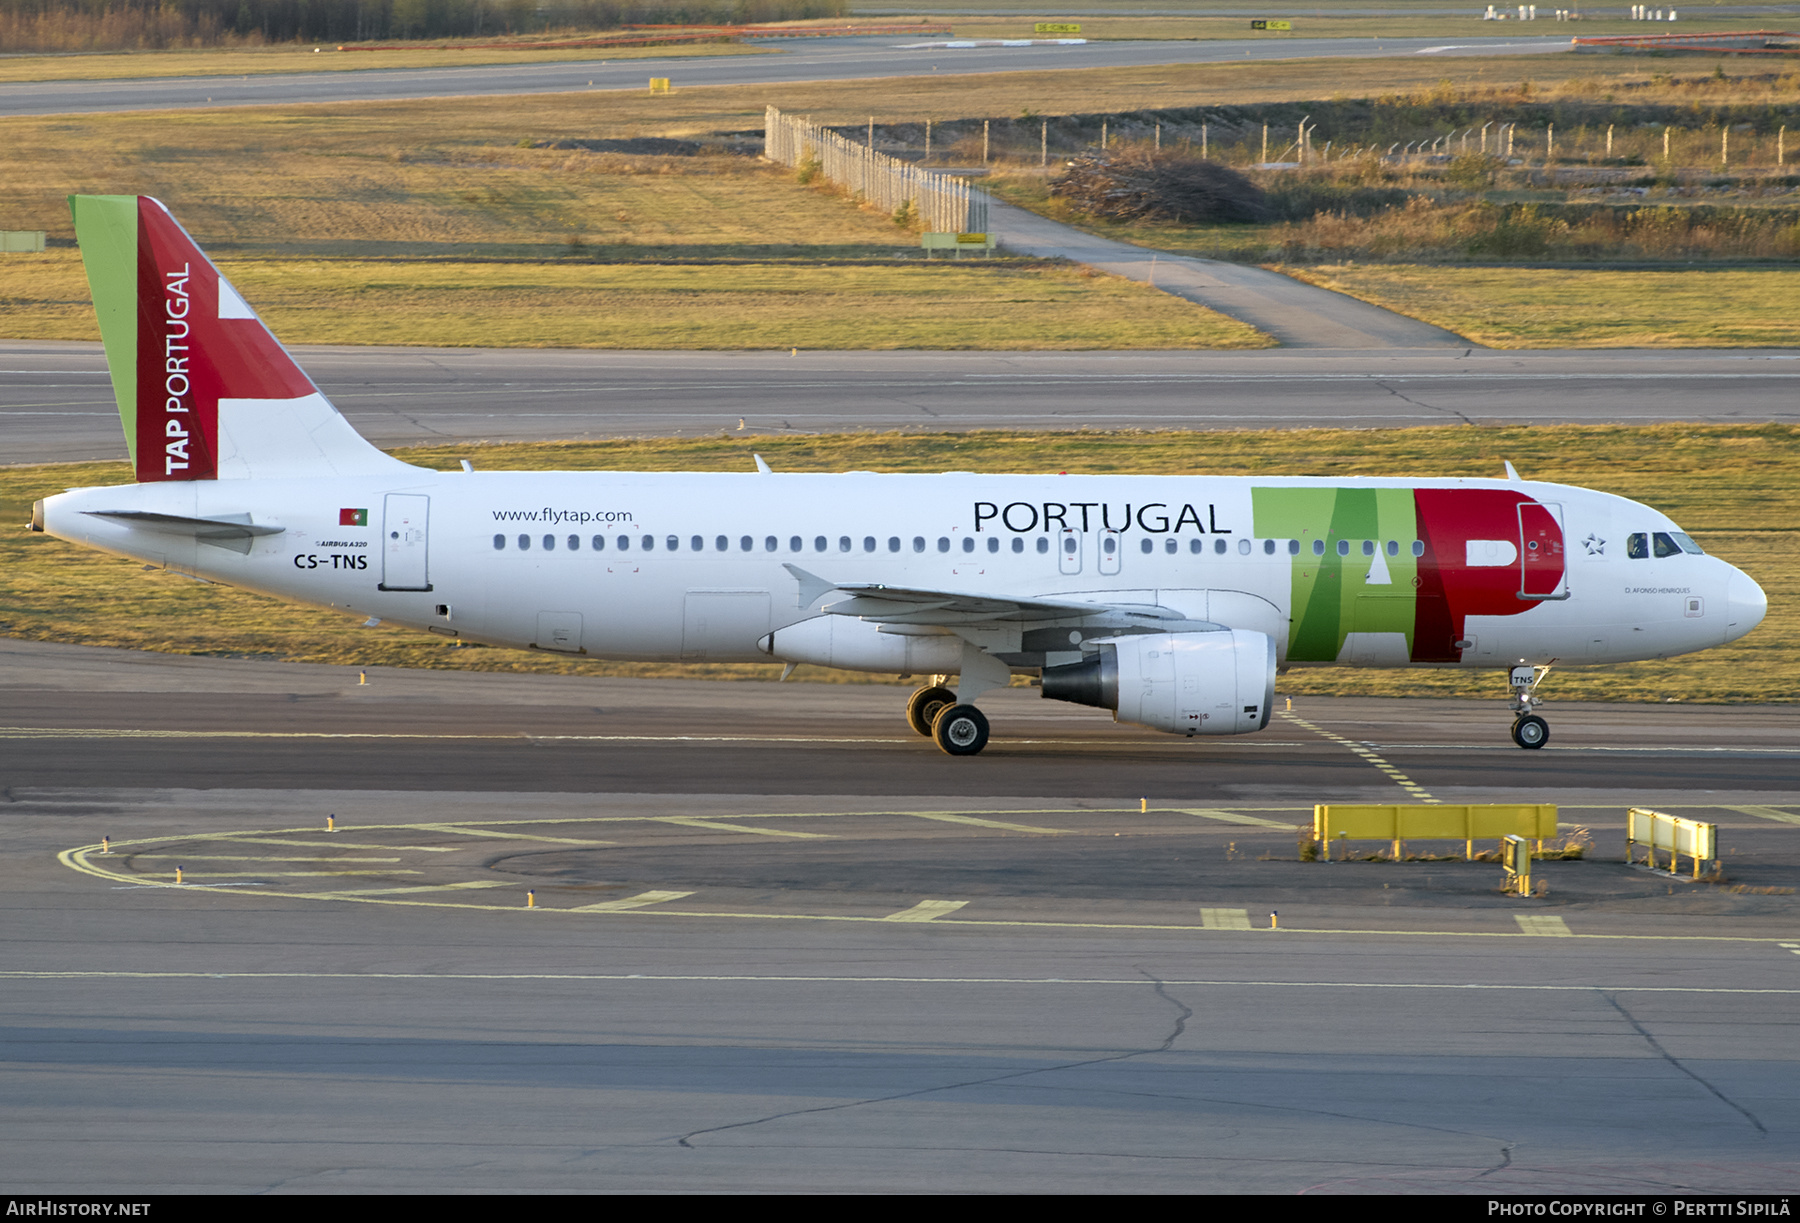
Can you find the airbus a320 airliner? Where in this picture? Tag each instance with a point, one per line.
(1171, 600)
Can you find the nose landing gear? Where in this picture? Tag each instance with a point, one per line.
(1528, 729)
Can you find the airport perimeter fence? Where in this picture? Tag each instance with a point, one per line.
(942, 204)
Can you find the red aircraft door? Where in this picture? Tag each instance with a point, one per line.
(1542, 567)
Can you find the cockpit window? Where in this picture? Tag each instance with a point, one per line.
(1687, 545)
(1637, 547)
(1664, 546)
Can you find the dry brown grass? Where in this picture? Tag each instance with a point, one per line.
(971, 304)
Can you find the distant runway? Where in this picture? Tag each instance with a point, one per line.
(777, 942)
(56, 400)
(802, 60)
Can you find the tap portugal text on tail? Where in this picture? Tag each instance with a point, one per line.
(1171, 600)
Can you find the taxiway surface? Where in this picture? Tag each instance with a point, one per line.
(56, 401)
(834, 59)
(777, 942)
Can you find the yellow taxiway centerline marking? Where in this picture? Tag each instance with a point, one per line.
(1766, 813)
(137, 857)
(160, 875)
(947, 818)
(926, 910)
(1231, 817)
(331, 843)
(428, 887)
(22, 974)
(694, 821)
(627, 904)
(1539, 923)
(1224, 919)
(461, 831)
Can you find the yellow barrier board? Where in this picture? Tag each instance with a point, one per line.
(1399, 822)
(1271, 25)
(659, 84)
(1055, 27)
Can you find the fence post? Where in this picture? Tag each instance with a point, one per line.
(984, 141)
(1044, 143)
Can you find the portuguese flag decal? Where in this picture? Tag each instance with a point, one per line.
(353, 518)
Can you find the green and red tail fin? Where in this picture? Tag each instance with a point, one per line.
(205, 391)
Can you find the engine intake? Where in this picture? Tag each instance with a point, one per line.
(1185, 683)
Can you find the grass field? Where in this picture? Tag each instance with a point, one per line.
(260, 61)
(943, 305)
(1580, 308)
(1736, 489)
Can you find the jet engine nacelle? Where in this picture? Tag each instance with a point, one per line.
(844, 641)
(1186, 683)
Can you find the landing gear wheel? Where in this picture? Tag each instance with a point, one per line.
(923, 707)
(1531, 731)
(961, 730)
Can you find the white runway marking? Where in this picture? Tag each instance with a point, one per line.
(926, 910)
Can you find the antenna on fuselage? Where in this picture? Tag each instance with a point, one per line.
(762, 466)
(1511, 472)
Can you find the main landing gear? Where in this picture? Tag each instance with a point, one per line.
(1528, 729)
(960, 730)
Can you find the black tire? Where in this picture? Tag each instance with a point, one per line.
(923, 707)
(1531, 732)
(961, 730)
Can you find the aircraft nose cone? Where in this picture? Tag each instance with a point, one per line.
(1745, 605)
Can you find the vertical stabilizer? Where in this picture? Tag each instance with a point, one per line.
(205, 392)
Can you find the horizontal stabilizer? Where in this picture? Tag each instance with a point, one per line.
(234, 531)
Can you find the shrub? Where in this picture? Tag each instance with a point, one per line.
(1137, 184)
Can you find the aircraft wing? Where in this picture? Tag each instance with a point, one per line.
(914, 605)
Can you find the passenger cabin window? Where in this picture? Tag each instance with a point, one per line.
(1318, 547)
(745, 544)
(1343, 547)
(943, 543)
(770, 543)
(1418, 547)
(524, 543)
(549, 543)
(1043, 544)
(868, 543)
(1196, 546)
(918, 543)
(819, 543)
(722, 543)
(1393, 548)
(1243, 547)
(893, 543)
(968, 543)
(599, 542)
(843, 543)
(1268, 547)
(1171, 547)
(1219, 546)
(499, 543)
(673, 543)
(698, 543)
(1293, 547)
(794, 543)
(574, 543)
(1018, 543)
(993, 544)
(624, 542)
